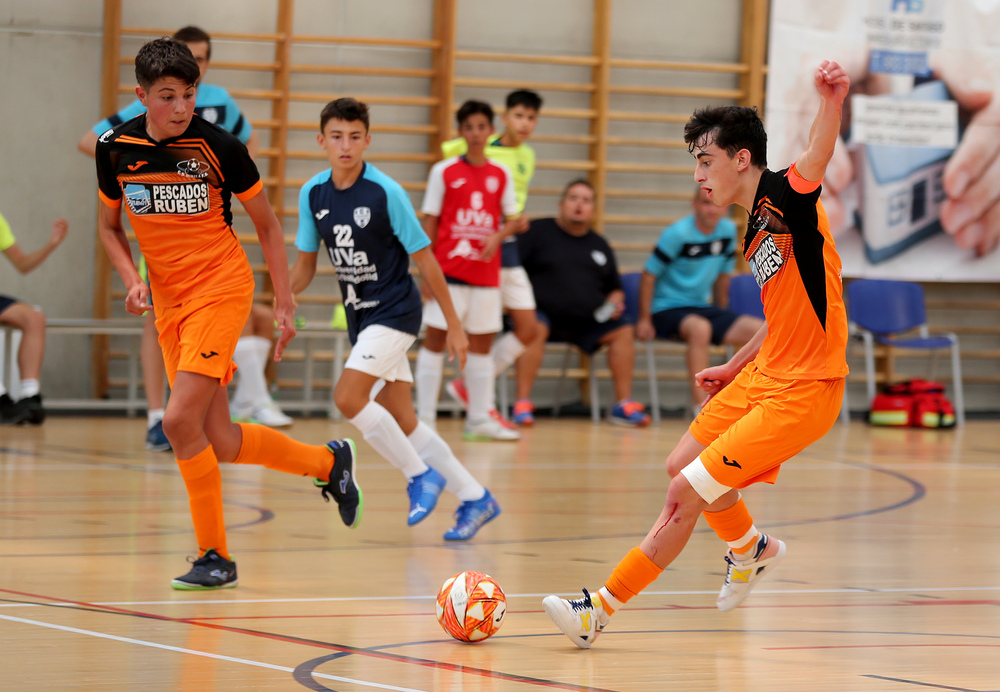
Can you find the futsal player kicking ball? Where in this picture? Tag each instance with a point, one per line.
(778, 394)
(176, 174)
(371, 231)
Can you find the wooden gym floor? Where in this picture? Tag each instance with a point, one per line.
(890, 583)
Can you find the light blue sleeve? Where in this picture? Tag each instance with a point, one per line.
(127, 113)
(402, 217)
(235, 122)
(307, 239)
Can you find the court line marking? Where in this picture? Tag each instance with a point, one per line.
(205, 654)
(346, 649)
(352, 599)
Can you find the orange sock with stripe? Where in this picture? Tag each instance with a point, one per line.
(263, 446)
(633, 574)
(204, 487)
(734, 526)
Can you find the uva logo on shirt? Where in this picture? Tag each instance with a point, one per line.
(475, 217)
(211, 114)
(599, 258)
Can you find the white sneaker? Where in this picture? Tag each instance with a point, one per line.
(489, 429)
(743, 575)
(580, 620)
(271, 415)
(239, 411)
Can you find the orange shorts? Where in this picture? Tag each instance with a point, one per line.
(201, 334)
(758, 422)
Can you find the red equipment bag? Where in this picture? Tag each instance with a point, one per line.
(915, 404)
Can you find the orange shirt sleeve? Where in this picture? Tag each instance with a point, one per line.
(800, 184)
(247, 194)
(113, 203)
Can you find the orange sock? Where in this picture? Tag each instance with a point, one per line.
(265, 447)
(204, 487)
(633, 574)
(734, 526)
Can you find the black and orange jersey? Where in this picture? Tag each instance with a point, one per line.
(794, 259)
(177, 195)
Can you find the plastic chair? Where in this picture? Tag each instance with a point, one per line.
(879, 309)
(630, 285)
(744, 296)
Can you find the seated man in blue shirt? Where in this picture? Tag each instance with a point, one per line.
(690, 265)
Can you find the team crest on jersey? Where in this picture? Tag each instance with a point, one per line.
(492, 184)
(193, 168)
(760, 223)
(599, 257)
(210, 114)
(138, 198)
(362, 215)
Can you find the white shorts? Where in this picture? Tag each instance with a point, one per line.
(381, 352)
(478, 308)
(516, 290)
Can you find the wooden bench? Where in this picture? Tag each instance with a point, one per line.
(132, 328)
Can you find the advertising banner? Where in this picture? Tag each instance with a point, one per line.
(913, 190)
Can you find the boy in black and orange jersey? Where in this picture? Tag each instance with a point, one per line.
(176, 174)
(779, 393)
(251, 400)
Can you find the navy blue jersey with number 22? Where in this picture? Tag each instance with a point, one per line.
(370, 230)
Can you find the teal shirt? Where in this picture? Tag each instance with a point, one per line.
(686, 263)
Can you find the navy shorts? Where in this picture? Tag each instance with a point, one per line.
(668, 322)
(586, 336)
(6, 302)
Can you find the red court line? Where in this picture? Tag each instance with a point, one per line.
(881, 646)
(396, 658)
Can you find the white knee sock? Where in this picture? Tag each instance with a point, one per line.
(436, 453)
(479, 382)
(29, 388)
(251, 387)
(383, 433)
(505, 351)
(430, 371)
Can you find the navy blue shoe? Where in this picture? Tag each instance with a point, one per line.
(343, 484)
(471, 516)
(423, 491)
(156, 441)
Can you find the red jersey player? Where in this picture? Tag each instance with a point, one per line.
(466, 202)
